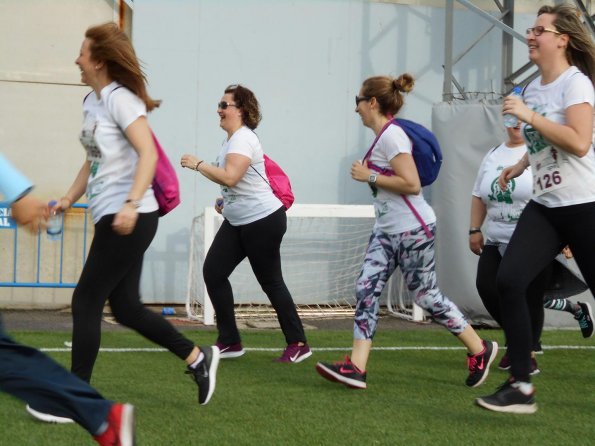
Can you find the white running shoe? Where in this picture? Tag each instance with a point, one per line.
(46, 417)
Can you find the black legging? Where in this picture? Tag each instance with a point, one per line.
(112, 272)
(260, 241)
(487, 270)
(540, 235)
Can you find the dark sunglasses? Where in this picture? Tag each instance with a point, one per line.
(223, 105)
(358, 99)
(539, 30)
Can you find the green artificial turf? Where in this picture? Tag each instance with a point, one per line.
(414, 397)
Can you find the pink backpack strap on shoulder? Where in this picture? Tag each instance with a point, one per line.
(389, 172)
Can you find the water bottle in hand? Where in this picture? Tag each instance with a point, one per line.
(54, 229)
(511, 120)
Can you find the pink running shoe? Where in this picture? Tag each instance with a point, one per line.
(295, 353)
(227, 351)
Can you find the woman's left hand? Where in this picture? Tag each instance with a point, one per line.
(125, 220)
(189, 161)
(515, 106)
(360, 172)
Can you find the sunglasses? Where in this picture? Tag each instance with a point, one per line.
(539, 30)
(223, 105)
(358, 99)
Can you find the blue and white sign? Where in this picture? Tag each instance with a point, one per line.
(6, 221)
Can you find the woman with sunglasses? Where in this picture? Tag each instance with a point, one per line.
(557, 115)
(399, 239)
(253, 227)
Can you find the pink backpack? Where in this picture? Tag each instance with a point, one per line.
(278, 181)
(165, 184)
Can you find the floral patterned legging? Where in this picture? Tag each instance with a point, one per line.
(413, 252)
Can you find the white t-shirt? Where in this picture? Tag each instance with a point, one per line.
(575, 176)
(252, 198)
(393, 216)
(503, 207)
(113, 159)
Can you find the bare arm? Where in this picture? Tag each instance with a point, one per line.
(513, 171)
(76, 190)
(139, 135)
(574, 137)
(478, 215)
(405, 181)
(235, 168)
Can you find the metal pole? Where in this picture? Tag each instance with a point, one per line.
(448, 41)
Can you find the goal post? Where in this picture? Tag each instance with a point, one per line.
(322, 253)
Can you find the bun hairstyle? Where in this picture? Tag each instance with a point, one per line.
(581, 49)
(388, 91)
(247, 103)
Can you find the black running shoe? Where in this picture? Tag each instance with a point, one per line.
(205, 373)
(479, 365)
(509, 398)
(585, 319)
(343, 372)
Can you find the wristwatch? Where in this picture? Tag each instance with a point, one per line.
(372, 178)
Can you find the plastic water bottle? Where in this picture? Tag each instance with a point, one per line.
(511, 120)
(54, 229)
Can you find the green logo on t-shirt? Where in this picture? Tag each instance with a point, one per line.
(499, 195)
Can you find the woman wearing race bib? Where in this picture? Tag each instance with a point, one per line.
(498, 211)
(116, 176)
(557, 116)
(399, 239)
(254, 225)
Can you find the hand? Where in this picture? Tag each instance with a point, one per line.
(476, 243)
(61, 205)
(509, 173)
(360, 172)
(125, 220)
(515, 106)
(219, 205)
(189, 161)
(31, 213)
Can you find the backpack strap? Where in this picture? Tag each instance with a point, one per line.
(263, 178)
(419, 219)
(389, 172)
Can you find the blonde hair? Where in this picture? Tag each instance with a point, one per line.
(111, 45)
(581, 50)
(388, 91)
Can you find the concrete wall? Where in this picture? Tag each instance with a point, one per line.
(40, 116)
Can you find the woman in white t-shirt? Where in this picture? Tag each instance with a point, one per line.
(500, 210)
(399, 239)
(253, 227)
(557, 116)
(120, 160)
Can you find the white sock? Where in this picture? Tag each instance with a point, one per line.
(201, 356)
(526, 388)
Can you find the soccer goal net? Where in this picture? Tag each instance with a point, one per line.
(322, 253)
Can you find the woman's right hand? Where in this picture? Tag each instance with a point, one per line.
(61, 205)
(219, 205)
(509, 173)
(476, 243)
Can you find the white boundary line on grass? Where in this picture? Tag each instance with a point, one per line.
(325, 349)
